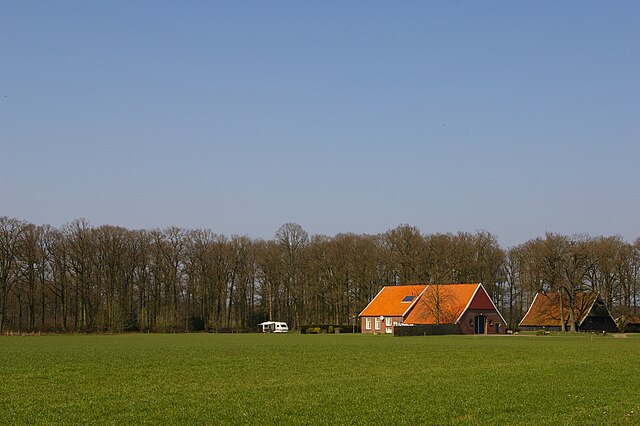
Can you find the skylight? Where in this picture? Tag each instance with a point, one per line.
(408, 299)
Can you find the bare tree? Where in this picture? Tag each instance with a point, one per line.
(271, 279)
(514, 271)
(292, 241)
(577, 263)
(406, 247)
(605, 272)
(11, 231)
(441, 303)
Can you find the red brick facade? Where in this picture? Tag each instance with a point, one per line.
(493, 322)
(386, 325)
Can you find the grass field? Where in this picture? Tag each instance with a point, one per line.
(319, 379)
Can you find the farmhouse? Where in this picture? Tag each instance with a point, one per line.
(590, 313)
(466, 305)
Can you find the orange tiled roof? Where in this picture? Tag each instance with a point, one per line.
(545, 309)
(633, 320)
(389, 302)
(445, 301)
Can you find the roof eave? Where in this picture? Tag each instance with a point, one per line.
(586, 314)
(479, 286)
(406, 312)
(369, 304)
(468, 304)
(528, 310)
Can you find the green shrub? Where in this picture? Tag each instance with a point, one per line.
(196, 323)
(330, 328)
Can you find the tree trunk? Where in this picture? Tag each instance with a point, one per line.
(3, 307)
(562, 321)
(572, 319)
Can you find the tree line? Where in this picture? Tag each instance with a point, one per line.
(112, 279)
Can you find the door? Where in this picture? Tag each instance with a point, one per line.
(479, 324)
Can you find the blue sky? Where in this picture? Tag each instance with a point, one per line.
(512, 117)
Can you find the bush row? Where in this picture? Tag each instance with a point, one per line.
(427, 330)
(329, 328)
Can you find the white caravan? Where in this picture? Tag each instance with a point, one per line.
(273, 327)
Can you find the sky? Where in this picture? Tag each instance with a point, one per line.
(516, 118)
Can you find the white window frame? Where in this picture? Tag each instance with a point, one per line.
(367, 322)
(377, 322)
(389, 330)
(388, 321)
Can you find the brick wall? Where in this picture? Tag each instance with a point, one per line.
(383, 324)
(467, 322)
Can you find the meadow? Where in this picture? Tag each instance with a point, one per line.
(319, 379)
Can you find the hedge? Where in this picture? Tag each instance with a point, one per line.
(427, 330)
(328, 328)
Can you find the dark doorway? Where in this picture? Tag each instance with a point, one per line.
(479, 322)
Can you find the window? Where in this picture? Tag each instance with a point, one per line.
(377, 323)
(408, 299)
(389, 330)
(388, 321)
(368, 324)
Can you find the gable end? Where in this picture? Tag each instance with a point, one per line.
(482, 303)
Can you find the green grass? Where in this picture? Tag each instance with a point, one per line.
(319, 379)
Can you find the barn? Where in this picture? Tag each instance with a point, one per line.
(466, 305)
(590, 313)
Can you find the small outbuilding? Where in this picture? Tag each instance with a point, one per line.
(629, 324)
(590, 313)
(468, 306)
